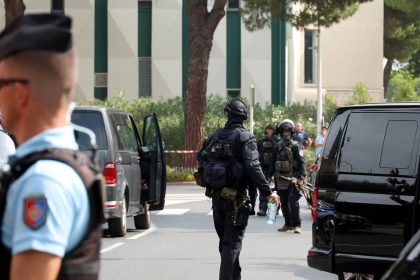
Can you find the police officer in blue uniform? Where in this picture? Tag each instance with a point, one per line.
(46, 211)
(265, 151)
(288, 161)
(229, 159)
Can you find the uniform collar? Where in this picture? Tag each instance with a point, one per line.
(62, 137)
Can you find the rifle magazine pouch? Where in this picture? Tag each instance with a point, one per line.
(199, 177)
(215, 174)
(229, 193)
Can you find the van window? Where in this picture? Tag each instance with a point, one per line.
(398, 144)
(94, 121)
(376, 142)
(124, 133)
(332, 143)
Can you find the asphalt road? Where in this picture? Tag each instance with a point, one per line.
(182, 244)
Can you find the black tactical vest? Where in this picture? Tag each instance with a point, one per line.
(285, 164)
(83, 261)
(220, 164)
(267, 152)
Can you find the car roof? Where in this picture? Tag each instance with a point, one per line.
(99, 109)
(390, 105)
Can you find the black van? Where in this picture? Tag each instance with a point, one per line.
(366, 191)
(133, 164)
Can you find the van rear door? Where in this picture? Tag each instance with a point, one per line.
(376, 184)
(155, 165)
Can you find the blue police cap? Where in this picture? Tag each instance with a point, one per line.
(36, 32)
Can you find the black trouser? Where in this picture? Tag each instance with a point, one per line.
(253, 197)
(263, 201)
(230, 239)
(289, 200)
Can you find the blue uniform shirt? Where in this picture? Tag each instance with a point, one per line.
(63, 219)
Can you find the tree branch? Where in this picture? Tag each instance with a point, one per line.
(216, 14)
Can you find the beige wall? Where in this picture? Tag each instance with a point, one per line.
(122, 48)
(83, 15)
(256, 64)
(216, 82)
(166, 48)
(352, 51)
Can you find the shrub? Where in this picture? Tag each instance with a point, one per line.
(171, 117)
(403, 86)
(330, 107)
(360, 95)
(179, 174)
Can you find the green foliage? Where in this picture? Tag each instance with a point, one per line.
(330, 107)
(414, 64)
(170, 115)
(178, 175)
(360, 95)
(401, 29)
(404, 87)
(259, 13)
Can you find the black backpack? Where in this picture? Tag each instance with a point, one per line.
(220, 167)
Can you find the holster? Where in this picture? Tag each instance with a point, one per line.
(244, 209)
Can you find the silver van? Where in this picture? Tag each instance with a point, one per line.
(133, 164)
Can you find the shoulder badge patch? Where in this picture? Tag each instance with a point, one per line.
(35, 211)
(301, 153)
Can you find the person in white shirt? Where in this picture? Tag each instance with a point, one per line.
(7, 146)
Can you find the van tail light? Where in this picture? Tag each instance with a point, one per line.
(314, 203)
(110, 173)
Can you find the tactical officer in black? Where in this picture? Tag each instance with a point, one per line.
(288, 162)
(229, 163)
(265, 151)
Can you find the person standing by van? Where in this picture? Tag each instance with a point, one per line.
(265, 150)
(302, 137)
(319, 142)
(289, 162)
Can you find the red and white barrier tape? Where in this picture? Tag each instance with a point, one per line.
(180, 152)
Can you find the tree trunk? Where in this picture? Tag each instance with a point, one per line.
(387, 76)
(13, 9)
(202, 26)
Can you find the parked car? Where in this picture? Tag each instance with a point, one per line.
(366, 190)
(133, 165)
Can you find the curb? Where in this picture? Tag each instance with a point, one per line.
(181, 183)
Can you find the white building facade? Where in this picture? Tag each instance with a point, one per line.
(140, 47)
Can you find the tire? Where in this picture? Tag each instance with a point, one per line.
(118, 226)
(356, 276)
(142, 221)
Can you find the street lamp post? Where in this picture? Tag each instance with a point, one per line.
(251, 109)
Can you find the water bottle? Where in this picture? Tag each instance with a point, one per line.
(271, 211)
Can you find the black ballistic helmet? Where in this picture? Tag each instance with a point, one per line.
(236, 108)
(285, 125)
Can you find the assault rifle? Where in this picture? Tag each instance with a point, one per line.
(305, 189)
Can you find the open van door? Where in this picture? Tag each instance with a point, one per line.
(153, 151)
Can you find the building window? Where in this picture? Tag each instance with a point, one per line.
(57, 6)
(233, 4)
(145, 47)
(310, 56)
(233, 50)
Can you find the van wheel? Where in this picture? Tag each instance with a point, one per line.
(355, 276)
(118, 226)
(142, 221)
